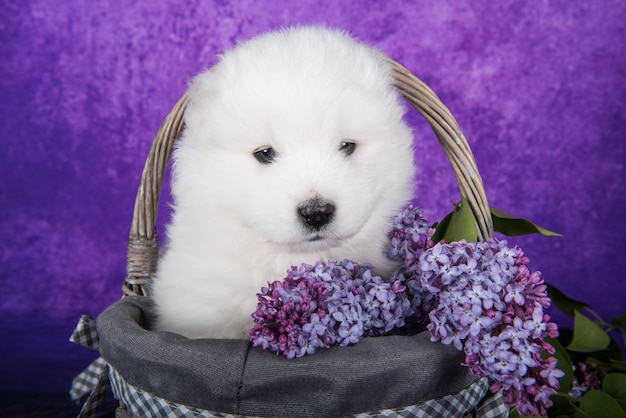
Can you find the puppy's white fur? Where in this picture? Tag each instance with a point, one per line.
(236, 226)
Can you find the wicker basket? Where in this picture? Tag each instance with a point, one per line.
(142, 255)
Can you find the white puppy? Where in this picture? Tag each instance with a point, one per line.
(294, 151)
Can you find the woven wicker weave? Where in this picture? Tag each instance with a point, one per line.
(143, 245)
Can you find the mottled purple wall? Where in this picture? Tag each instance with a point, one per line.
(539, 88)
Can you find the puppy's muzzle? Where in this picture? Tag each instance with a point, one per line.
(316, 213)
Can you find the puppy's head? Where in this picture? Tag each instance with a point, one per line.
(298, 135)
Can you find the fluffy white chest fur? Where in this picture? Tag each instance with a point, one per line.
(294, 151)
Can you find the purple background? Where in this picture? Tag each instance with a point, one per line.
(539, 88)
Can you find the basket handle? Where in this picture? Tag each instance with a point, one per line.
(143, 244)
(454, 143)
(142, 252)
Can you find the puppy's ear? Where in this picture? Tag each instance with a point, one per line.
(201, 91)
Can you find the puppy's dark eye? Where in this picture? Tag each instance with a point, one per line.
(347, 147)
(265, 155)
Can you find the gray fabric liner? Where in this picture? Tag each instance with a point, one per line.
(231, 377)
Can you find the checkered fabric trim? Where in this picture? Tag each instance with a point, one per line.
(142, 403)
(86, 333)
(493, 407)
(88, 379)
(90, 407)
(94, 380)
(456, 405)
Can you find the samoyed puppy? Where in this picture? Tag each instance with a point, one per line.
(294, 151)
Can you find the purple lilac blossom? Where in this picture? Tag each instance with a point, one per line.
(493, 309)
(334, 303)
(410, 234)
(587, 376)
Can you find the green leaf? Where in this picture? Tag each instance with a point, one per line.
(563, 302)
(513, 226)
(613, 351)
(597, 404)
(562, 406)
(441, 228)
(461, 225)
(588, 336)
(618, 366)
(563, 363)
(514, 413)
(565, 336)
(615, 385)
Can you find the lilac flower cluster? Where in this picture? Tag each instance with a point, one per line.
(489, 304)
(483, 299)
(480, 297)
(334, 303)
(587, 376)
(410, 236)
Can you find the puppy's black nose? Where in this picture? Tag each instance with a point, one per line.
(316, 213)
